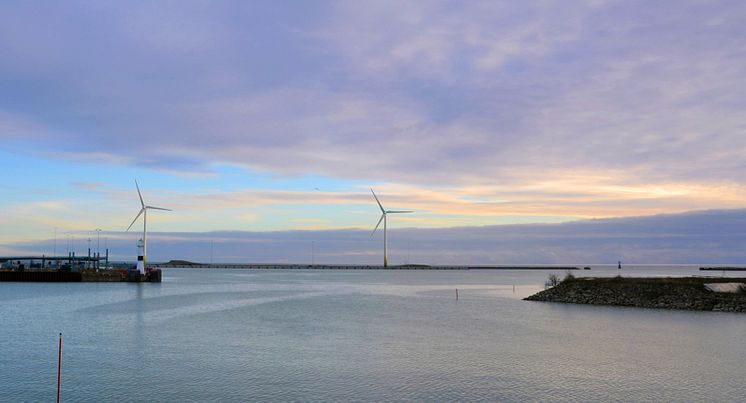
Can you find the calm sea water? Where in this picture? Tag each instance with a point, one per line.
(245, 335)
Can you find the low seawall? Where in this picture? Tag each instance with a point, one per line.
(688, 293)
(183, 264)
(105, 276)
(723, 268)
(41, 276)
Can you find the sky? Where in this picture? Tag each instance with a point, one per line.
(260, 118)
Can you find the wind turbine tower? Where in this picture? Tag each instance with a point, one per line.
(142, 244)
(384, 213)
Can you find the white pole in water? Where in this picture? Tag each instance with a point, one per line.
(59, 368)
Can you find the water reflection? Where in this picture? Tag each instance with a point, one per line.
(361, 336)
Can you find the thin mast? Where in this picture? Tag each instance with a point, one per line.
(144, 236)
(385, 258)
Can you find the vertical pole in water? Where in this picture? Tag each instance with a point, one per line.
(59, 368)
(457, 294)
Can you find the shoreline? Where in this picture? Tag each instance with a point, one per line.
(727, 268)
(183, 264)
(350, 267)
(683, 293)
(84, 276)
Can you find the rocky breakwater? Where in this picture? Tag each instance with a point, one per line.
(689, 293)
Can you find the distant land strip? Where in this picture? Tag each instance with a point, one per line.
(281, 266)
(723, 268)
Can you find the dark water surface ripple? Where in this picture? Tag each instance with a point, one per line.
(243, 335)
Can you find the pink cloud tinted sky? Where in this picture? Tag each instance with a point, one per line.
(235, 113)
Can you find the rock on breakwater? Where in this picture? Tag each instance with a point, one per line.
(687, 293)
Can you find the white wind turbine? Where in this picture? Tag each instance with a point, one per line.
(384, 212)
(144, 213)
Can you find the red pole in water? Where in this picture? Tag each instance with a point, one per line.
(59, 368)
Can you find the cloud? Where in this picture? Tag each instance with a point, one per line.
(582, 196)
(90, 186)
(464, 43)
(89, 205)
(580, 109)
(713, 237)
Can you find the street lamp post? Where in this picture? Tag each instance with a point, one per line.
(54, 253)
(98, 247)
(88, 263)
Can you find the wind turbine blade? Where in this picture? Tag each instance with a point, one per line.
(136, 217)
(399, 211)
(377, 201)
(139, 194)
(158, 208)
(379, 223)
